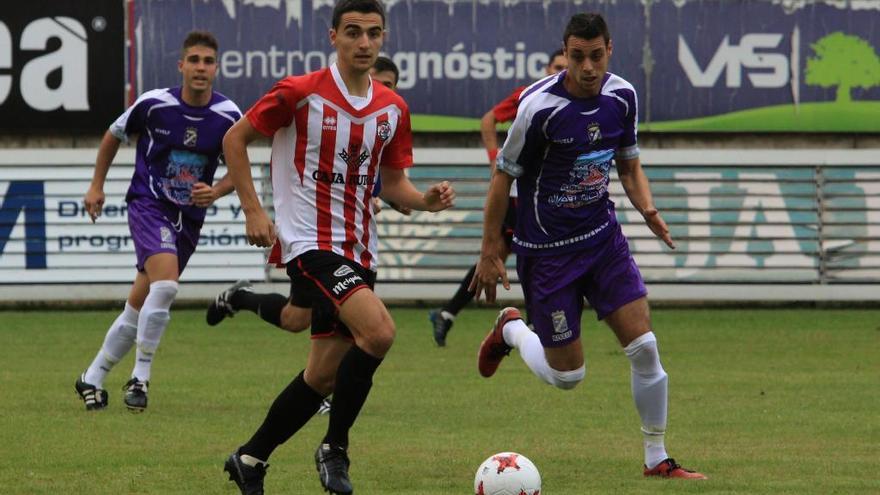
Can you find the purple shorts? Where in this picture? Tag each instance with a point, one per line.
(555, 287)
(157, 227)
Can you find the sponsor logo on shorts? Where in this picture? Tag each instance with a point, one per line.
(345, 283)
(560, 326)
(342, 271)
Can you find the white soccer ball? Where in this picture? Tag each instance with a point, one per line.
(507, 473)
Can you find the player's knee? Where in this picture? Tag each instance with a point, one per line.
(644, 356)
(293, 322)
(567, 380)
(322, 383)
(163, 292)
(378, 340)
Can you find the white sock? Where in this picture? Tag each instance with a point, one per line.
(447, 315)
(518, 335)
(118, 341)
(152, 322)
(649, 390)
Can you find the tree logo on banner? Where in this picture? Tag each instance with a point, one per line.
(843, 61)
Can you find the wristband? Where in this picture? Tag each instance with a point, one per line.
(493, 153)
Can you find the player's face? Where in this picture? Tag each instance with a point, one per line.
(385, 78)
(587, 64)
(557, 65)
(358, 40)
(199, 68)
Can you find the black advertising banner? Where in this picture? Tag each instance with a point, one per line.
(61, 65)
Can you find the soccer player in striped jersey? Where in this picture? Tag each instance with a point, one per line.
(332, 131)
(569, 130)
(273, 307)
(442, 319)
(180, 133)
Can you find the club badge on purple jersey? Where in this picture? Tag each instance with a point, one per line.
(594, 132)
(190, 137)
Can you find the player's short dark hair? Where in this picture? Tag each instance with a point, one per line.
(363, 6)
(558, 53)
(386, 64)
(201, 38)
(587, 25)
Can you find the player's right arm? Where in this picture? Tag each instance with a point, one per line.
(490, 267)
(259, 228)
(273, 111)
(523, 139)
(94, 198)
(130, 123)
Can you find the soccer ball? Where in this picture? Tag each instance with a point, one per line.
(507, 473)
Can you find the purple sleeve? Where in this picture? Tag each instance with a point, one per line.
(134, 119)
(525, 143)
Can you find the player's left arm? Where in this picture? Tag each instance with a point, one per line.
(396, 186)
(638, 190)
(398, 189)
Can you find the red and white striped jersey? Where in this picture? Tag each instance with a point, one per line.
(326, 149)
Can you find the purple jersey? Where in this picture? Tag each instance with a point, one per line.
(561, 148)
(178, 146)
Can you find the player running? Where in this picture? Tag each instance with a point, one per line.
(570, 129)
(332, 131)
(180, 132)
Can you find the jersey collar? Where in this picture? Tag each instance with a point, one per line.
(357, 102)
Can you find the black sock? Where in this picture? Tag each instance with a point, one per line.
(463, 296)
(354, 378)
(266, 306)
(292, 409)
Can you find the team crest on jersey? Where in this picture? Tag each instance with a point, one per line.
(352, 158)
(594, 133)
(329, 123)
(383, 131)
(190, 136)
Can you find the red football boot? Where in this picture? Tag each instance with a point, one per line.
(671, 469)
(494, 349)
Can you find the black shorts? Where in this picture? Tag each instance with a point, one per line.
(323, 280)
(509, 224)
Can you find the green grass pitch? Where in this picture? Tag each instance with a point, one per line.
(762, 401)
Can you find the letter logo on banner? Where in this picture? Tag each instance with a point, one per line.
(27, 196)
(734, 58)
(62, 65)
(71, 58)
(5, 61)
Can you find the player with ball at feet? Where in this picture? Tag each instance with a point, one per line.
(569, 130)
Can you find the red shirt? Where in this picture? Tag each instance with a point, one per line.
(505, 110)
